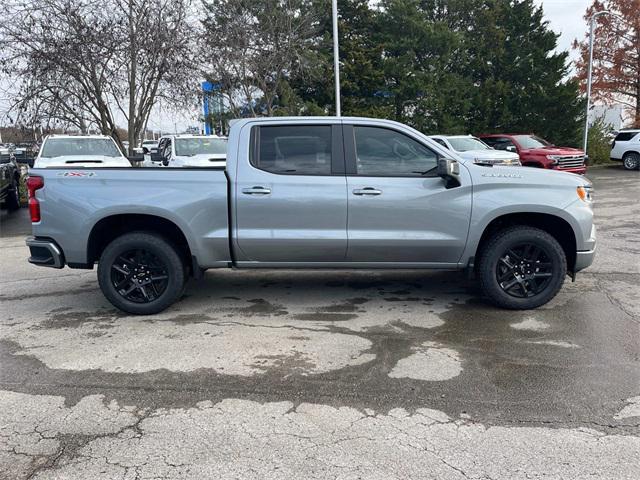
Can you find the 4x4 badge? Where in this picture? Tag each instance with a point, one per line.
(77, 174)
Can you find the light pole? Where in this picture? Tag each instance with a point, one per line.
(589, 74)
(336, 53)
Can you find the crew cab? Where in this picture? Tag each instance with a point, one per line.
(316, 192)
(537, 152)
(80, 151)
(626, 149)
(188, 150)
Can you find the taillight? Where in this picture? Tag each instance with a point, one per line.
(33, 184)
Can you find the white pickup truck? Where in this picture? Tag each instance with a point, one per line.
(80, 151)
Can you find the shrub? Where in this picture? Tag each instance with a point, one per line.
(599, 143)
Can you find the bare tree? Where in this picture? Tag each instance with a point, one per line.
(87, 61)
(253, 47)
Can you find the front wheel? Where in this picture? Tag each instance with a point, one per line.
(141, 273)
(631, 161)
(521, 268)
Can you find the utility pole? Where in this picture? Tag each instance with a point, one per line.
(336, 54)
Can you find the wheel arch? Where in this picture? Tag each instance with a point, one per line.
(554, 225)
(108, 228)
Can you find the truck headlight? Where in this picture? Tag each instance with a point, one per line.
(553, 158)
(585, 193)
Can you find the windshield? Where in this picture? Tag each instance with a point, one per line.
(531, 141)
(188, 147)
(58, 147)
(463, 144)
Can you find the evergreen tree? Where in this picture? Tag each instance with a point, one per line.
(520, 82)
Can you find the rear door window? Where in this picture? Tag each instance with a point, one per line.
(625, 136)
(293, 150)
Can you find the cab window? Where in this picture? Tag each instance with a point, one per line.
(385, 152)
(293, 150)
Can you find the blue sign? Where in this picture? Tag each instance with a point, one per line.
(207, 89)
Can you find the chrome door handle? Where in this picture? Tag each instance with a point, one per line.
(367, 191)
(256, 191)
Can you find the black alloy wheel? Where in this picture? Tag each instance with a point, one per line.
(139, 276)
(142, 273)
(524, 270)
(521, 267)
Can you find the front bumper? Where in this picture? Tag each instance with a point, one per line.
(584, 258)
(579, 170)
(45, 252)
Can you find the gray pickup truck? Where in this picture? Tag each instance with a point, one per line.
(315, 192)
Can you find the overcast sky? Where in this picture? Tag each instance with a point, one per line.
(564, 16)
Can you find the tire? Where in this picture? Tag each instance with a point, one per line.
(13, 196)
(141, 273)
(533, 276)
(631, 161)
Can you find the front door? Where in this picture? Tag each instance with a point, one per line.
(291, 197)
(400, 211)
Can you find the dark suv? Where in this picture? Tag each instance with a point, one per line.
(9, 180)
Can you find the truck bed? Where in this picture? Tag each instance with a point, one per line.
(73, 201)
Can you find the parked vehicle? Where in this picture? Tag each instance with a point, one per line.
(282, 200)
(26, 152)
(148, 146)
(473, 149)
(189, 151)
(537, 152)
(626, 149)
(80, 151)
(9, 180)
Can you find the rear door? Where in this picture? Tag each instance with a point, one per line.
(291, 196)
(399, 210)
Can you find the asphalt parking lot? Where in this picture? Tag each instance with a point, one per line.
(310, 375)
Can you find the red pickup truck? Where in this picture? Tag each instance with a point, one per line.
(537, 152)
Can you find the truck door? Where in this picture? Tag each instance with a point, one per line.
(400, 211)
(291, 196)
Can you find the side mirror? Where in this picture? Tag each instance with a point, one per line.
(449, 170)
(511, 148)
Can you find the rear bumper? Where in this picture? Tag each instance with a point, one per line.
(45, 252)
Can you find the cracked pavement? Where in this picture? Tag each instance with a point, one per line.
(294, 374)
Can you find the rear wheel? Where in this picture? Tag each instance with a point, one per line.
(522, 267)
(13, 196)
(141, 273)
(631, 161)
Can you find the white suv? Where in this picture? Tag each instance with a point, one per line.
(475, 150)
(189, 151)
(626, 149)
(80, 151)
